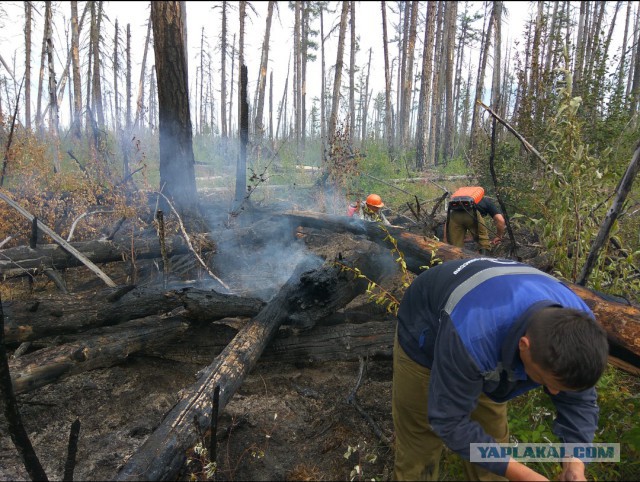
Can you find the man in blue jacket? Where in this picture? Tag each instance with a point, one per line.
(475, 333)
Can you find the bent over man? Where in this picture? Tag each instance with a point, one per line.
(475, 333)
(470, 218)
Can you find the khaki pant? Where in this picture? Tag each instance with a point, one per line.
(417, 447)
(462, 221)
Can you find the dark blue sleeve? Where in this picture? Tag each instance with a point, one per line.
(456, 385)
(577, 416)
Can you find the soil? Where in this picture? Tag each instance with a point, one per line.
(286, 422)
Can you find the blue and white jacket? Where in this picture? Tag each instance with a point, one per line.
(463, 320)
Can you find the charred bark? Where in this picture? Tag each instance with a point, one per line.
(621, 321)
(63, 315)
(112, 346)
(311, 293)
(17, 261)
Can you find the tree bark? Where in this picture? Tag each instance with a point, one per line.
(139, 118)
(76, 127)
(352, 72)
(223, 70)
(177, 171)
(306, 299)
(111, 346)
(387, 85)
(422, 128)
(27, 63)
(333, 120)
(622, 322)
(262, 78)
(21, 259)
(70, 314)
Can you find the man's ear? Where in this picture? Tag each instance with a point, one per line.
(524, 343)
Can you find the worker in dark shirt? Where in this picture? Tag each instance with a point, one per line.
(469, 218)
(475, 333)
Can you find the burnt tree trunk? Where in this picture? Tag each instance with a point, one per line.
(311, 293)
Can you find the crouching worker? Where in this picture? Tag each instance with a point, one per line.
(475, 333)
(466, 211)
(369, 210)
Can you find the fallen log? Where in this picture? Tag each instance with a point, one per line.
(343, 342)
(112, 346)
(311, 293)
(621, 321)
(66, 314)
(22, 259)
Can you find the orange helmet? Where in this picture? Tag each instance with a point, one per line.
(374, 200)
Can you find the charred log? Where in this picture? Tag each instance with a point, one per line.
(109, 348)
(342, 342)
(65, 314)
(311, 293)
(621, 321)
(21, 259)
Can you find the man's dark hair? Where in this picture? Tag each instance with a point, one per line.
(570, 344)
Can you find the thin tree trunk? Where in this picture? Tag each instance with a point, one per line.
(450, 28)
(323, 101)
(486, 41)
(407, 86)
(387, 85)
(365, 108)
(304, 25)
(635, 50)
(422, 128)
(116, 69)
(352, 72)
(283, 102)
(128, 86)
(89, 105)
(623, 56)
(403, 39)
(296, 76)
(27, 71)
(202, 121)
(434, 128)
(75, 69)
(139, 119)
(580, 47)
(497, 56)
(232, 84)
(223, 72)
(271, 107)
(262, 78)
(333, 121)
(43, 55)
(97, 83)
(53, 101)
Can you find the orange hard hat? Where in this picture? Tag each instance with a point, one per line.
(374, 200)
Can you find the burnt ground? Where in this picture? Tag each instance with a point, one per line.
(288, 421)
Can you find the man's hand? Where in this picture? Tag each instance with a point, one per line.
(572, 469)
(519, 471)
(495, 241)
